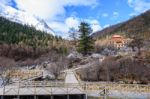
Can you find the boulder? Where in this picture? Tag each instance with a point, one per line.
(47, 74)
(95, 55)
(74, 55)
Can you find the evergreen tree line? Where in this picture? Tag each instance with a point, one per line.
(22, 41)
(14, 33)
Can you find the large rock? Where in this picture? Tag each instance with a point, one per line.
(48, 75)
(107, 51)
(74, 55)
(95, 55)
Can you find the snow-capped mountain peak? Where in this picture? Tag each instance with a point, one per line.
(22, 17)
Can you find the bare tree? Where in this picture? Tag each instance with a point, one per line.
(58, 66)
(108, 65)
(73, 34)
(99, 71)
(136, 42)
(87, 74)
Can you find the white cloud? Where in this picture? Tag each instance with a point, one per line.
(105, 15)
(75, 22)
(139, 6)
(46, 9)
(62, 28)
(95, 25)
(133, 14)
(50, 9)
(54, 10)
(72, 22)
(115, 15)
(107, 25)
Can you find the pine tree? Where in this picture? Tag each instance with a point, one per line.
(85, 40)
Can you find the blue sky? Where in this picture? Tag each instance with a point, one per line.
(63, 14)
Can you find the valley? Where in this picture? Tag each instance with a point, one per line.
(35, 62)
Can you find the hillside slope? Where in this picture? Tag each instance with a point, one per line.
(14, 33)
(24, 43)
(24, 18)
(136, 27)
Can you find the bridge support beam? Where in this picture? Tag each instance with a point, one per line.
(34, 97)
(67, 96)
(51, 97)
(2, 97)
(18, 97)
(85, 96)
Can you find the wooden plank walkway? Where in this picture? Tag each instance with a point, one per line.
(78, 87)
(41, 88)
(46, 87)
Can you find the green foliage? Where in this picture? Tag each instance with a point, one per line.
(85, 40)
(63, 50)
(14, 33)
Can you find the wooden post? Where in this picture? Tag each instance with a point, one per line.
(51, 90)
(85, 96)
(2, 97)
(85, 90)
(18, 96)
(105, 93)
(67, 96)
(84, 86)
(67, 89)
(52, 97)
(34, 90)
(34, 96)
(3, 91)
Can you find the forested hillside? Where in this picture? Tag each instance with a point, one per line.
(135, 27)
(14, 33)
(20, 42)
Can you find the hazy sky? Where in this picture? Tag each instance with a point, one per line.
(63, 14)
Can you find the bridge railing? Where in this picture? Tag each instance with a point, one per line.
(88, 85)
(113, 86)
(83, 86)
(41, 87)
(23, 84)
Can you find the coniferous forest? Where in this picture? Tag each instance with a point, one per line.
(22, 41)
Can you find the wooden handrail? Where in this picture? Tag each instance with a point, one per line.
(87, 85)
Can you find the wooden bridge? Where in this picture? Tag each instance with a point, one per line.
(60, 88)
(42, 88)
(68, 88)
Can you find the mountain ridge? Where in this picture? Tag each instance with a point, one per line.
(135, 27)
(25, 19)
